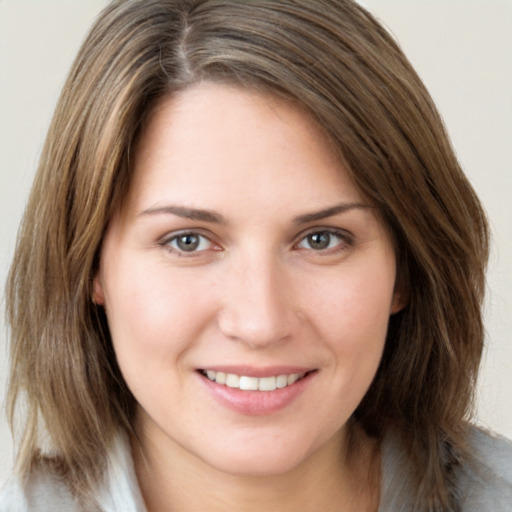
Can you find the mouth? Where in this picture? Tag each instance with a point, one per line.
(251, 383)
(257, 391)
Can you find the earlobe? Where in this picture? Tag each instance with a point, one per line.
(399, 302)
(396, 306)
(98, 296)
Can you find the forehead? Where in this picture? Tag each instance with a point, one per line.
(233, 139)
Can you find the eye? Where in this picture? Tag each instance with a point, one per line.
(188, 243)
(324, 240)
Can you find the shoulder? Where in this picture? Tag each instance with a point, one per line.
(44, 489)
(483, 483)
(486, 481)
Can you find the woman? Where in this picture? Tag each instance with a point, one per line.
(249, 275)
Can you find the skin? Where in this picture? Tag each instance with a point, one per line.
(257, 291)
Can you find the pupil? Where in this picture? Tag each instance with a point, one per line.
(319, 240)
(188, 242)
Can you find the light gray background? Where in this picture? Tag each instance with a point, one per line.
(461, 48)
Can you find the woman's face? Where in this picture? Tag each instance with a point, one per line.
(244, 258)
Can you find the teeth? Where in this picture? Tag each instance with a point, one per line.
(232, 380)
(267, 384)
(253, 383)
(248, 383)
(281, 381)
(292, 378)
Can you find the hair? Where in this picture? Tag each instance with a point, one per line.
(335, 60)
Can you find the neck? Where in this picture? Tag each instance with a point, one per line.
(342, 476)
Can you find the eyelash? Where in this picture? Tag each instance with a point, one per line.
(345, 241)
(167, 241)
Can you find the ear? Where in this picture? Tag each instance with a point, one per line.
(397, 304)
(98, 297)
(400, 299)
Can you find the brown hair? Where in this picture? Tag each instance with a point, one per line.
(331, 57)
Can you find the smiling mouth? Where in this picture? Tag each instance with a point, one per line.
(247, 383)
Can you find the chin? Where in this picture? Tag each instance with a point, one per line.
(274, 458)
(238, 466)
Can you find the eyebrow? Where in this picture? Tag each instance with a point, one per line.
(216, 218)
(329, 212)
(187, 213)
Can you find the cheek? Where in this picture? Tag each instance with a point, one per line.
(153, 317)
(351, 315)
(355, 323)
(354, 304)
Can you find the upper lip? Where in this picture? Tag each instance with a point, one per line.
(258, 371)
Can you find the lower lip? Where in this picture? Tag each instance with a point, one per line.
(257, 403)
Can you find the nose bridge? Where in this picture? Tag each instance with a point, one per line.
(256, 306)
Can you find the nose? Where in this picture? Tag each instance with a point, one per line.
(257, 303)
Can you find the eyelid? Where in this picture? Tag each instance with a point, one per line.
(165, 241)
(346, 237)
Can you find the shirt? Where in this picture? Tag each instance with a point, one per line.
(485, 487)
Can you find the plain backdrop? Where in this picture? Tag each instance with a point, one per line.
(462, 50)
